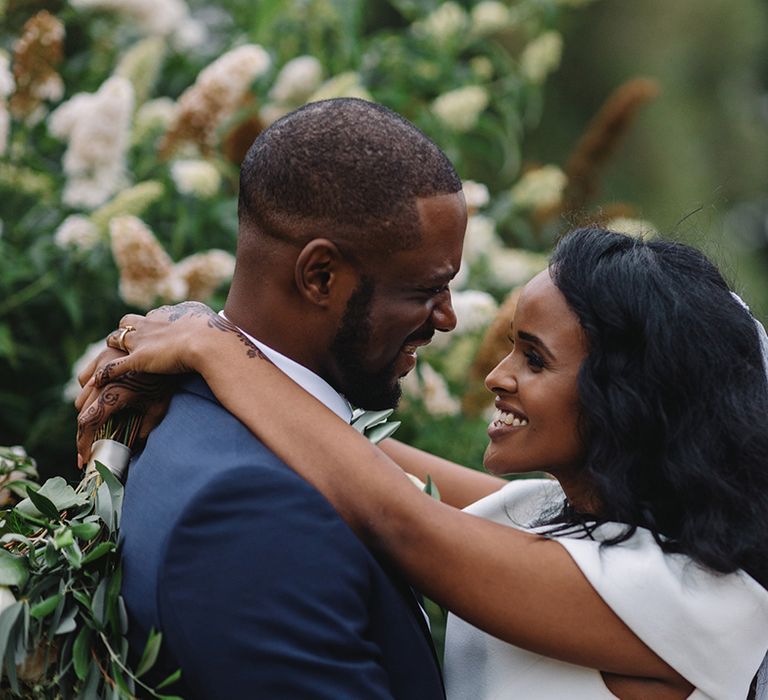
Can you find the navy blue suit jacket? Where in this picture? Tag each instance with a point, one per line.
(258, 586)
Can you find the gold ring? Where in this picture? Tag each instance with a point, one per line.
(124, 330)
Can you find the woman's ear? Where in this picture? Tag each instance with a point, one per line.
(322, 274)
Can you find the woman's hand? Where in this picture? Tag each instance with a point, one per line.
(131, 372)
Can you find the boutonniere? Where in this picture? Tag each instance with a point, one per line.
(376, 426)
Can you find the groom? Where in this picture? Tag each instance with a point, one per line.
(351, 228)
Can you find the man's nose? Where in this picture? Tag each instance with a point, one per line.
(443, 315)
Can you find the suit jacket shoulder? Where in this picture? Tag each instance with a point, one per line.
(252, 576)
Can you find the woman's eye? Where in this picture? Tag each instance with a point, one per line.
(535, 362)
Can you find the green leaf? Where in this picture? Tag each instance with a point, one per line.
(7, 622)
(382, 432)
(68, 623)
(43, 505)
(63, 537)
(73, 555)
(104, 507)
(151, 650)
(98, 551)
(86, 531)
(115, 490)
(99, 602)
(171, 679)
(81, 653)
(371, 418)
(45, 607)
(58, 492)
(13, 570)
(431, 489)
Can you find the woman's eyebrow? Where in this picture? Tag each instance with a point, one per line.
(535, 340)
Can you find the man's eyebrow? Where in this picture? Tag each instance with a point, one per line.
(535, 340)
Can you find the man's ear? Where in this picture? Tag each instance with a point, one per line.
(323, 276)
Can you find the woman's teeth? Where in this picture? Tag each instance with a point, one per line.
(410, 349)
(500, 416)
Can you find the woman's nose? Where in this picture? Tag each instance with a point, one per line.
(502, 377)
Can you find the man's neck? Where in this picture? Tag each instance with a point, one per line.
(304, 377)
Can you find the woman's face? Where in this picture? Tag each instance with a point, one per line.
(535, 426)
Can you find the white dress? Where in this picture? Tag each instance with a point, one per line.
(711, 628)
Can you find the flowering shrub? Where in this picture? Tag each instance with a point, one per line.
(122, 124)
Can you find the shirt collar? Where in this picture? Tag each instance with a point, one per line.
(305, 378)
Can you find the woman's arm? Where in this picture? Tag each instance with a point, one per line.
(517, 586)
(459, 486)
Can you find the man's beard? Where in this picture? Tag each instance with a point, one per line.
(363, 388)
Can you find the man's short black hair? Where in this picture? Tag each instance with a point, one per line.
(344, 169)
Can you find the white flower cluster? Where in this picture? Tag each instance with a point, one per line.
(445, 23)
(72, 387)
(506, 267)
(475, 194)
(460, 109)
(77, 232)
(511, 267)
(148, 275)
(540, 188)
(541, 57)
(296, 81)
(6, 88)
(152, 16)
(196, 177)
(221, 86)
(474, 311)
(154, 116)
(427, 385)
(97, 126)
(489, 17)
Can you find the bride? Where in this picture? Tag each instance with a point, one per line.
(636, 380)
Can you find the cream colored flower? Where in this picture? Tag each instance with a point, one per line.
(77, 232)
(196, 177)
(460, 109)
(145, 267)
(72, 387)
(510, 267)
(489, 17)
(342, 85)
(141, 65)
(632, 227)
(152, 16)
(482, 67)
(97, 127)
(540, 188)
(480, 240)
(205, 272)
(474, 310)
(444, 23)
(297, 80)
(475, 194)
(541, 57)
(426, 385)
(191, 35)
(132, 200)
(219, 91)
(153, 116)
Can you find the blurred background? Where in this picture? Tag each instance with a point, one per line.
(123, 122)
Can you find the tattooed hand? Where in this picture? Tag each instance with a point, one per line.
(165, 341)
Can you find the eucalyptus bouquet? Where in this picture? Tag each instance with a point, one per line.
(63, 622)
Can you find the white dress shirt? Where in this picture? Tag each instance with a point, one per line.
(305, 378)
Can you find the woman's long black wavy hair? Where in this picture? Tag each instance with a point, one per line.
(674, 397)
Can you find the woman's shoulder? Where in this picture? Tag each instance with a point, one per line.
(709, 626)
(520, 503)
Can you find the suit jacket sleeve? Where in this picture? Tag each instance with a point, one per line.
(264, 593)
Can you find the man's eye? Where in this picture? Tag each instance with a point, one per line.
(434, 291)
